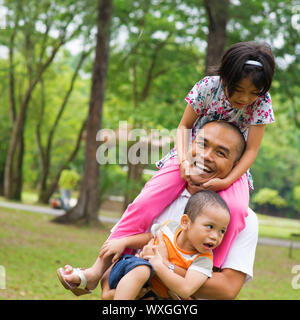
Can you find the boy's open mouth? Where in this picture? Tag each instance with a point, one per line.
(208, 245)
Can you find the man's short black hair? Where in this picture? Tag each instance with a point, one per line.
(203, 199)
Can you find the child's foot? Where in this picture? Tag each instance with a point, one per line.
(92, 278)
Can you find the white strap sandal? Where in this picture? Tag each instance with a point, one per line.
(78, 290)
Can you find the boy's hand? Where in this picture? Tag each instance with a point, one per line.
(147, 249)
(216, 184)
(112, 247)
(155, 259)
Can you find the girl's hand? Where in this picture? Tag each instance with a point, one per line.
(113, 247)
(184, 167)
(216, 184)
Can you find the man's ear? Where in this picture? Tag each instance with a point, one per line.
(185, 221)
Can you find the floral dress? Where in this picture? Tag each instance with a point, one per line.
(209, 101)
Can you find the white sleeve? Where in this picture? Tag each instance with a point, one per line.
(242, 253)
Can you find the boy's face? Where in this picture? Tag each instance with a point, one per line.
(213, 153)
(207, 230)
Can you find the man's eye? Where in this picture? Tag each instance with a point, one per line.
(221, 153)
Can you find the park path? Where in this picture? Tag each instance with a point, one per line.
(58, 212)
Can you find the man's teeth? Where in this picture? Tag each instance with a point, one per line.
(204, 168)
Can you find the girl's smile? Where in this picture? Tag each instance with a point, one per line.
(244, 94)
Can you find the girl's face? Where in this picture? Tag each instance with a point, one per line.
(245, 94)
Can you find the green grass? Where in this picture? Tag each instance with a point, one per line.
(280, 228)
(272, 275)
(32, 248)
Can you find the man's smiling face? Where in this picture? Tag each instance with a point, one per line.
(213, 152)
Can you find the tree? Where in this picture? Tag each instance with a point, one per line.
(88, 203)
(46, 189)
(35, 50)
(148, 72)
(217, 13)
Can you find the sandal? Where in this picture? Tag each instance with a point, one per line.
(79, 289)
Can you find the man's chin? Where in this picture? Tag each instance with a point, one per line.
(199, 180)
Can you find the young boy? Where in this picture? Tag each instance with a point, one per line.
(189, 246)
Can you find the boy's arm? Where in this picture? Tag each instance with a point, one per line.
(225, 284)
(162, 249)
(183, 286)
(222, 285)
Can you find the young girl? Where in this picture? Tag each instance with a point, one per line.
(238, 93)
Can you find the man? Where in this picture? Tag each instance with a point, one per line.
(222, 146)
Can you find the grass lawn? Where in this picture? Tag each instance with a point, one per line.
(281, 228)
(32, 248)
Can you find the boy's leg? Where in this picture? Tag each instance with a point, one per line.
(131, 284)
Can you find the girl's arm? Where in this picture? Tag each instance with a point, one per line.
(183, 286)
(255, 135)
(182, 136)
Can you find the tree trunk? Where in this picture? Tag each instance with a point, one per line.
(217, 13)
(134, 178)
(14, 160)
(88, 203)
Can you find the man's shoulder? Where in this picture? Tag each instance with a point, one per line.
(251, 220)
(249, 235)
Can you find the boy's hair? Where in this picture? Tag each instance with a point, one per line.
(233, 66)
(202, 199)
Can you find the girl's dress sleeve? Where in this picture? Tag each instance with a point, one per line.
(201, 94)
(263, 111)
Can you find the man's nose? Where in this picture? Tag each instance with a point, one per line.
(208, 154)
(245, 98)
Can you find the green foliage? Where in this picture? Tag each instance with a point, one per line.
(159, 41)
(269, 196)
(296, 197)
(69, 179)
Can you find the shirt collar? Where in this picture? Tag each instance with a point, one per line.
(185, 194)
